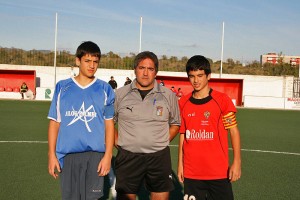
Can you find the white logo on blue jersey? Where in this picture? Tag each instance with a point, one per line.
(85, 115)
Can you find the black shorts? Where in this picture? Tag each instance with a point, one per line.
(154, 169)
(219, 189)
(79, 177)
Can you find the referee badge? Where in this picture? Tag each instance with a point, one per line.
(159, 111)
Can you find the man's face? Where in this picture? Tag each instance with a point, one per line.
(145, 74)
(198, 79)
(88, 65)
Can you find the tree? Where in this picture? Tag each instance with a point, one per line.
(164, 57)
(112, 60)
(112, 55)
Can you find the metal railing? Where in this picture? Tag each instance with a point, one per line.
(296, 88)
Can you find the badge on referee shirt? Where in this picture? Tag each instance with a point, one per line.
(159, 111)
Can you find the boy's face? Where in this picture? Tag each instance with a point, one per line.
(198, 79)
(145, 74)
(88, 65)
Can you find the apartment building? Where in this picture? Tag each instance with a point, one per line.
(275, 58)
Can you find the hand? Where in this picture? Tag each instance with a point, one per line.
(235, 172)
(180, 174)
(53, 165)
(104, 166)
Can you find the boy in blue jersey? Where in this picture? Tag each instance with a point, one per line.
(81, 129)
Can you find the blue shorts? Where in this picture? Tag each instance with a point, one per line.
(152, 169)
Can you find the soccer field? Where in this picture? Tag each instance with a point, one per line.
(270, 154)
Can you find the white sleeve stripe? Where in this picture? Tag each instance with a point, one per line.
(105, 100)
(58, 107)
(52, 119)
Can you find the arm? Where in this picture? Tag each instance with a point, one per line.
(235, 168)
(173, 130)
(174, 117)
(105, 163)
(116, 136)
(180, 159)
(116, 120)
(52, 138)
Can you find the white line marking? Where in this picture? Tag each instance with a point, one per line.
(172, 145)
(278, 152)
(260, 151)
(23, 142)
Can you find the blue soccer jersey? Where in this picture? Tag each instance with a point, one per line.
(81, 112)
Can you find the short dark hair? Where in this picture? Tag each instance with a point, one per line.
(198, 62)
(88, 47)
(142, 56)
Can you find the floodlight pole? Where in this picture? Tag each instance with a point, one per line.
(55, 41)
(141, 25)
(221, 68)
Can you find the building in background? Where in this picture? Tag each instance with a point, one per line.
(274, 58)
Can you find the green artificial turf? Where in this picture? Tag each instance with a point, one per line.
(265, 175)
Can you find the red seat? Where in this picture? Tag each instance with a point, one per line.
(8, 89)
(16, 89)
(1, 89)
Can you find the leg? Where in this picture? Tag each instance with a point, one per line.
(129, 177)
(94, 184)
(126, 196)
(195, 189)
(112, 181)
(159, 180)
(159, 195)
(70, 178)
(220, 189)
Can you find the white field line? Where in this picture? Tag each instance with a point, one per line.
(23, 142)
(264, 151)
(261, 151)
(251, 150)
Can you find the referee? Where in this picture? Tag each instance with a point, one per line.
(148, 119)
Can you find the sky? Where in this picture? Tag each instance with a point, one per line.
(169, 27)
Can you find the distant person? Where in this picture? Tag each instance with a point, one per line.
(23, 89)
(162, 83)
(72, 73)
(128, 81)
(148, 119)
(207, 116)
(81, 129)
(113, 83)
(179, 93)
(173, 89)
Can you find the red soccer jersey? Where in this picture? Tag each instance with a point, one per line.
(205, 148)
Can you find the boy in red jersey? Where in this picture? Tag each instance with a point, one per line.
(206, 117)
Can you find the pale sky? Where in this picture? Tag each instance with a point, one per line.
(170, 27)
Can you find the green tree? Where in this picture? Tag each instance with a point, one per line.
(114, 61)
